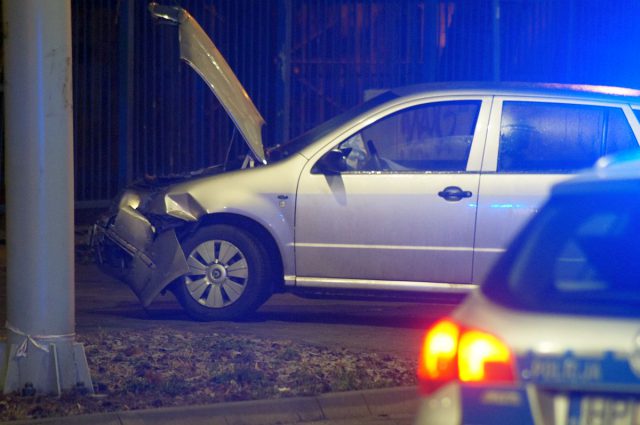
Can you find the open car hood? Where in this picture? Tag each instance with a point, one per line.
(197, 49)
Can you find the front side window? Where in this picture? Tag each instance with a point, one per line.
(543, 137)
(431, 137)
(581, 254)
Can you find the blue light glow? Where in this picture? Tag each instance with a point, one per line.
(505, 206)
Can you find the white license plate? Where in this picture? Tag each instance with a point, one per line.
(590, 410)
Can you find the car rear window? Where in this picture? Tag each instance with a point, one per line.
(581, 254)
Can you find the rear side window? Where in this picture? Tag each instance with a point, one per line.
(580, 254)
(538, 137)
(618, 135)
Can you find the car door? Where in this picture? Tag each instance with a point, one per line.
(401, 212)
(531, 145)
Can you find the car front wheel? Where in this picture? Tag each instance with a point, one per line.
(228, 274)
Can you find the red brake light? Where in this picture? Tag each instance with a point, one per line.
(452, 352)
(483, 358)
(438, 357)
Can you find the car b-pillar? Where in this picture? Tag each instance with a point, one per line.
(40, 354)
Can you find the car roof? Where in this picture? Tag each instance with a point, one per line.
(581, 91)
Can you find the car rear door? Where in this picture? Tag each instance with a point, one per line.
(532, 144)
(408, 223)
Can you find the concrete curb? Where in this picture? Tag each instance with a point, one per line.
(388, 402)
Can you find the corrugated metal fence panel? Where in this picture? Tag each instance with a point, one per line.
(604, 43)
(464, 41)
(341, 49)
(579, 41)
(537, 30)
(336, 51)
(95, 100)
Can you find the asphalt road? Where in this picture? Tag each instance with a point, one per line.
(374, 326)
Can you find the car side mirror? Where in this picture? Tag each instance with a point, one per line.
(332, 163)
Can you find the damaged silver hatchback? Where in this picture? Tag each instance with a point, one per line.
(416, 191)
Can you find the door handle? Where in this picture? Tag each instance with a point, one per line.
(454, 193)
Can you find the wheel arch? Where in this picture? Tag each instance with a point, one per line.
(257, 230)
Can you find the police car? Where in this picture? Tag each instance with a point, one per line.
(553, 335)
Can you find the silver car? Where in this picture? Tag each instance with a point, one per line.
(416, 191)
(553, 335)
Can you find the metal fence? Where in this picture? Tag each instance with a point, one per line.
(139, 110)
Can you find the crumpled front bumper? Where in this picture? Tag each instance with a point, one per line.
(131, 249)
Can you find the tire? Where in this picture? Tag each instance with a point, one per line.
(229, 274)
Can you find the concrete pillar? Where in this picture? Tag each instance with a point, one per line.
(41, 354)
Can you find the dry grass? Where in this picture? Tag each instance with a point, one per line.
(159, 368)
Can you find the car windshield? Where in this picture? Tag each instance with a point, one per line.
(581, 254)
(296, 144)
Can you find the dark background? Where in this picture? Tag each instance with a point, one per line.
(138, 110)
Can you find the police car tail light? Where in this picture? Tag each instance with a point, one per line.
(451, 352)
(483, 358)
(437, 363)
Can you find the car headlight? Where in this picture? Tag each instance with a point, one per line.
(130, 199)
